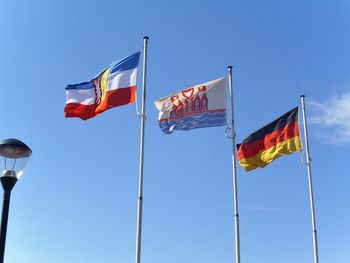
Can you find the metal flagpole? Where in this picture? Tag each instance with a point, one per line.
(308, 163)
(237, 237)
(143, 118)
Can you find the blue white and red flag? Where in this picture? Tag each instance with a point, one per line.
(115, 86)
(200, 106)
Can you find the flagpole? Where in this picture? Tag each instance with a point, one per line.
(235, 195)
(308, 163)
(143, 118)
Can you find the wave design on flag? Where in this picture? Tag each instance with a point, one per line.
(201, 120)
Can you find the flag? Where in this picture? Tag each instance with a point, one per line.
(200, 106)
(115, 86)
(277, 138)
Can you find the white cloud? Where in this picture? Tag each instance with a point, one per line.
(333, 117)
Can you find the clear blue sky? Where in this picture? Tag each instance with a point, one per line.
(77, 200)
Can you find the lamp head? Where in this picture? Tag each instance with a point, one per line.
(14, 156)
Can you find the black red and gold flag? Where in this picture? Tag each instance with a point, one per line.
(276, 139)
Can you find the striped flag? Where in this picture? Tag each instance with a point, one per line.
(200, 106)
(115, 86)
(276, 139)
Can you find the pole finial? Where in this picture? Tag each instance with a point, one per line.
(229, 67)
(146, 37)
(302, 96)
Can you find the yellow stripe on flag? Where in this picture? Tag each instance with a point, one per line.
(264, 158)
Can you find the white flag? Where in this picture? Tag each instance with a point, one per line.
(200, 106)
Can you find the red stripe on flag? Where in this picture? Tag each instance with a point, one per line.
(81, 111)
(117, 97)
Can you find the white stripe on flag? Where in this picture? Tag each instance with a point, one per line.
(122, 79)
(81, 96)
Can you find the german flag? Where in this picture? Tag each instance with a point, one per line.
(277, 138)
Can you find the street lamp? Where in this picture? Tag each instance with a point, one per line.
(14, 156)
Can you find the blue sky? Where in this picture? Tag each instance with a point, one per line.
(77, 200)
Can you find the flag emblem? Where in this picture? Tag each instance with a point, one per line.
(274, 140)
(200, 106)
(114, 87)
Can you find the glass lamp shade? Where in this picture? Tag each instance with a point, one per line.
(14, 156)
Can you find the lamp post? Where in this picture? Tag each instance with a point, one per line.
(14, 156)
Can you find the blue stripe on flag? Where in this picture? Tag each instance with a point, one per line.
(84, 85)
(130, 62)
